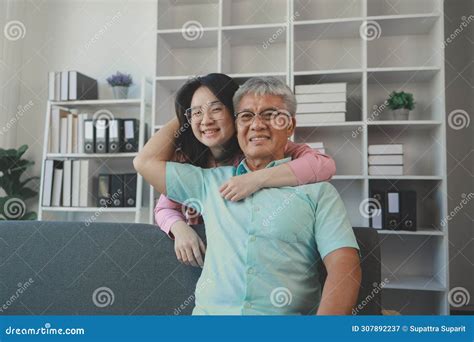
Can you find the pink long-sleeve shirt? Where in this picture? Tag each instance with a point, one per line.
(308, 165)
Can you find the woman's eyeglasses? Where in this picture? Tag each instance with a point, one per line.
(215, 111)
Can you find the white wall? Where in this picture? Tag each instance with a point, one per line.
(10, 63)
(459, 66)
(96, 37)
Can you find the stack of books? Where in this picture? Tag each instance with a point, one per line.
(317, 146)
(71, 86)
(319, 103)
(67, 131)
(67, 183)
(386, 160)
(73, 132)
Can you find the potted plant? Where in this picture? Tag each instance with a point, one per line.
(12, 167)
(120, 84)
(400, 103)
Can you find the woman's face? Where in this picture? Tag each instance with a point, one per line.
(212, 123)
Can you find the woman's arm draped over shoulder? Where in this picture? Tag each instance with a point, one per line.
(151, 160)
(307, 166)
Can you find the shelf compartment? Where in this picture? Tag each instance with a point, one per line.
(259, 50)
(413, 262)
(340, 143)
(251, 12)
(406, 25)
(180, 55)
(326, 46)
(354, 89)
(421, 149)
(429, 201)
(351, 192)
(423, 84)
(174, 14)
(414, 302)
(323, 9)
(396, 39)
(401, 7)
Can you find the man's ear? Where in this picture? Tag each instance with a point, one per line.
(291, 127)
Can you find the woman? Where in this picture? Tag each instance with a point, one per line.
(204, 135)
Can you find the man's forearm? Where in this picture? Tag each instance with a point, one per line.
(341, 288)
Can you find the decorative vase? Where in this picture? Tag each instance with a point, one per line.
(400, 114)
(120, 92)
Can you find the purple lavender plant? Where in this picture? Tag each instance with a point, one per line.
(120, 80)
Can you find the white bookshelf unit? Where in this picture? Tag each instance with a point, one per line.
(320, 41)
(137, 108)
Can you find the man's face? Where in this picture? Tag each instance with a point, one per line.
(264, 139)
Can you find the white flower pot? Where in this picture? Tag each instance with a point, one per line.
(120, 92)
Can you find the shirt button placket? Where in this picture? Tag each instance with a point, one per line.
(250, 249)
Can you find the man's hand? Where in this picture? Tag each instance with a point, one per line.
(240, 187)
(188, 246)
(341, 288)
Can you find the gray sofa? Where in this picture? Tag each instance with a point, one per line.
(69, 268)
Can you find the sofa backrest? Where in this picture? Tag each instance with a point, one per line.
(68, 268)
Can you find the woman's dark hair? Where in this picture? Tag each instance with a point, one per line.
(224, 88)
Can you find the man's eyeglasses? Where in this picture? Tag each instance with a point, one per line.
(278, 118)
(215, 110)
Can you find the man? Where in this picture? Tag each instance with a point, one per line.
(263, 251)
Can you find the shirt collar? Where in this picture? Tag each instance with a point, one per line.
(242, 168)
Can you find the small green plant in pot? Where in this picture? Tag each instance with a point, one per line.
(400, 103)
(12, 167)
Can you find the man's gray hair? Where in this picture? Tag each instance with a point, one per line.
(267, 85)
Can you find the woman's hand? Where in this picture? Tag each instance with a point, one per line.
(188, 246)
(240, 187)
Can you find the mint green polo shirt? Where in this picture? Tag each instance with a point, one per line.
(262, 252)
